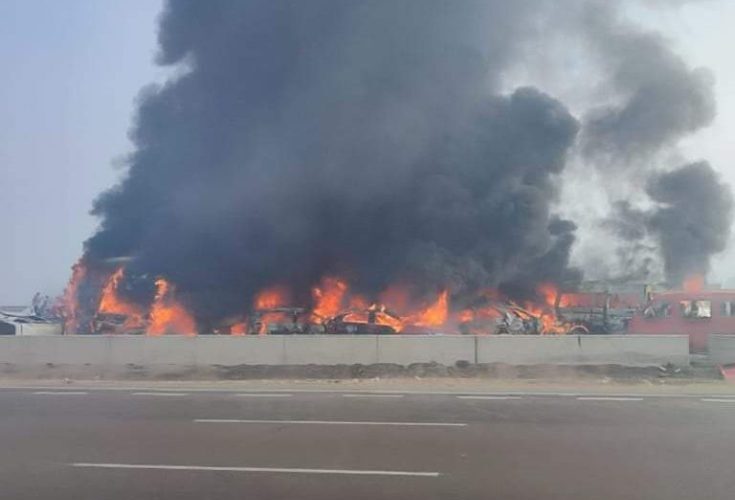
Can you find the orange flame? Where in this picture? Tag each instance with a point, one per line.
(111, 303)
(693, 283)
(396, 308)
(433, 315)
(546, 313)
(327, 298)
(466, 315)
(397, 297)
(167, 314)
(383, 318)
(374, 314)
(70, 299)
(275, 296)
(549, 292)
(358, 302)
(270, 298)
(239, 328)
(271, 317)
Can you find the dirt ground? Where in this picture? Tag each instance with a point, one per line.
(334, 374)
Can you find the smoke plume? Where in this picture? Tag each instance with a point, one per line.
(661, 99)
(370, 140)
(358, 139)
(693, 220)
(690, 221)
(658, 100)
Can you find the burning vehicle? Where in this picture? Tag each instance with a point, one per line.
(600, 308)
(378, 175)
(501, 318)
(279, 321)
(332, 308)
(371, 321)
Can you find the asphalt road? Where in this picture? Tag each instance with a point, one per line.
(146, 444)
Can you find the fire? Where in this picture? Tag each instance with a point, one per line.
(547, 312)
(167, 314)
(398, 297)
(270, 298)
(111, 303)
(537, 316)
(549, 293)
(576, 300)
(435, 314)
(466, 315)
(375, 314)
(261, 326)
(359, 302)
(328, 298)
(335, 309)
(382, 317)
(239, 328)
(70, 299)
(693, 283)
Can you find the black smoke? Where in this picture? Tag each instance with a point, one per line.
(661, 99)
(363, 139)
(370, 140)
(693, 219)
(689, 222)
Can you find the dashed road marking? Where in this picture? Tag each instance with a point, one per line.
(328, 422)
(263, 395)
(257, 469)
(607, 398)
(357, 395)
(61, 393)
(164, 394)
(718, 400)
(490, 397)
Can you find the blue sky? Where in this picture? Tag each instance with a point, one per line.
(71, 71)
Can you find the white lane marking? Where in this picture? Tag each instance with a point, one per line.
(718, 400)
(166, 394)
(258, 469)
(327, 422)
(63, 393)
(607, 398)
(263, 395)
(489, 397)
(356, 395)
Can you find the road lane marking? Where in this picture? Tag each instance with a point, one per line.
(607, 398)
(327, 422)
(356, 395)
(257, 469)
(489, 397)
(165, 394)
(64, 393)
(718, 400)
(263, 395)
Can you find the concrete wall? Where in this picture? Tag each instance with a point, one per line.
(407, 349)
(628, 350)
(332, 350)
(722, 349)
